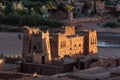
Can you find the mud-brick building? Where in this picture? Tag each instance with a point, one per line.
(69, 43)
(36, 45)
(57, 66)
(40, 47)
(2, 64)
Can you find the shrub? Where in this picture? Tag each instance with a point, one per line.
(10, 19)
(111, 24)
(30, 20)
(118, 20)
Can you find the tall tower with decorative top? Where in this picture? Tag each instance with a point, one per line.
(36, 45)
(90, 42)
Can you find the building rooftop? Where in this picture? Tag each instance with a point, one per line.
(92, 73)
(12, 75)
(63, 61)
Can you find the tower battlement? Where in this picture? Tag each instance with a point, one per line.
(68, 30)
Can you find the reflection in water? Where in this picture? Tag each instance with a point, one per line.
(108, 44)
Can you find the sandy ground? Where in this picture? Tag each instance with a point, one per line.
(10, 43)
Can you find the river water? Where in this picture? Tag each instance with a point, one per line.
(108, 44)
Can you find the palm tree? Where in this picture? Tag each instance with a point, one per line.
(2, 8)
(51, 5)
(69, 8)
(94, 7)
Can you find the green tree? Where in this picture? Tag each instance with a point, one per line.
(118, 19)
(51, 5)
(69, 8)
(112, 24)
(8, 8)
(44, 11)
(2, 8)
(17, 7)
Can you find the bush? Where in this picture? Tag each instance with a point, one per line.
(118, 20)
(11, 19)
(30, 20)
(54, 24)
(111, 24)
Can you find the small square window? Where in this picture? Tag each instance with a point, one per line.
(75, 45)
(35, 48)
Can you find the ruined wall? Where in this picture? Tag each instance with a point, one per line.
(44, 69)
(40, 69)
(104, 62)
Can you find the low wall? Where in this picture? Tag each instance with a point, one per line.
(40, 69)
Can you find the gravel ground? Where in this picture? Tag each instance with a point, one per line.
(10, 43)
(99, 28)
(109, 52)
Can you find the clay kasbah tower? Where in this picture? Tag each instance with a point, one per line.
(38, 47)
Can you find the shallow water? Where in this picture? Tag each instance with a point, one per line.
(108, 44)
